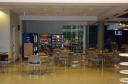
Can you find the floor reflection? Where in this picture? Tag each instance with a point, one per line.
(60, 75)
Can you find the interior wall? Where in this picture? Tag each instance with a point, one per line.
(5, 31)
(8, 21)
(14, 35)
(23, 24)
(54, 27)
(44, 27)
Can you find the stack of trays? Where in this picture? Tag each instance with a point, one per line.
(124, 67)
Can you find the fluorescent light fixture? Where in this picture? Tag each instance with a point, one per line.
(120, 24)
(124, 63)
(2, 13)
(123, 71)
(125, 29)
(125, 80)
(3, 17)
(123, 54)
(115, 29)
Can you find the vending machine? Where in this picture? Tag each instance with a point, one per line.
(44, 44)
(30, 44)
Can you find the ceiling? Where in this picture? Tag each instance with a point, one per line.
(61, 10)
(103, 12)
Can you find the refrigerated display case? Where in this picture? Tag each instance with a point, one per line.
(30, 44)
(43, 39)
(56, 41)
(45, 43)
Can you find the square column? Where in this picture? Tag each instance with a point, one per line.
(100, 37)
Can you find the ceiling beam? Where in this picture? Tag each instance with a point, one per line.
(68, 1)
(113, 13)
(119, 19)
(60, 18)
(17, 3)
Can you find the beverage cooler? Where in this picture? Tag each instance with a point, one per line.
(45, 42)
(30, 44)
(57, 41)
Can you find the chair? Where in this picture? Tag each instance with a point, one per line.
(94, 58)
(4, 61)
(35, 62)
(63, 58)
(56, 57)
(76, 60)
(49, 63)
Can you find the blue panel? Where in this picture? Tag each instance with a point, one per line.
(28, 38)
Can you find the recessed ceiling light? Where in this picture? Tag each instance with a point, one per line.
(125, 29)
(115, 29)
(124, 24)
(120, 24)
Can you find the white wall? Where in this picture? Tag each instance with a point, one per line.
(8, 20)
(4, 31)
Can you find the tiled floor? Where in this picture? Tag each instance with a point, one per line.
(60, 75)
